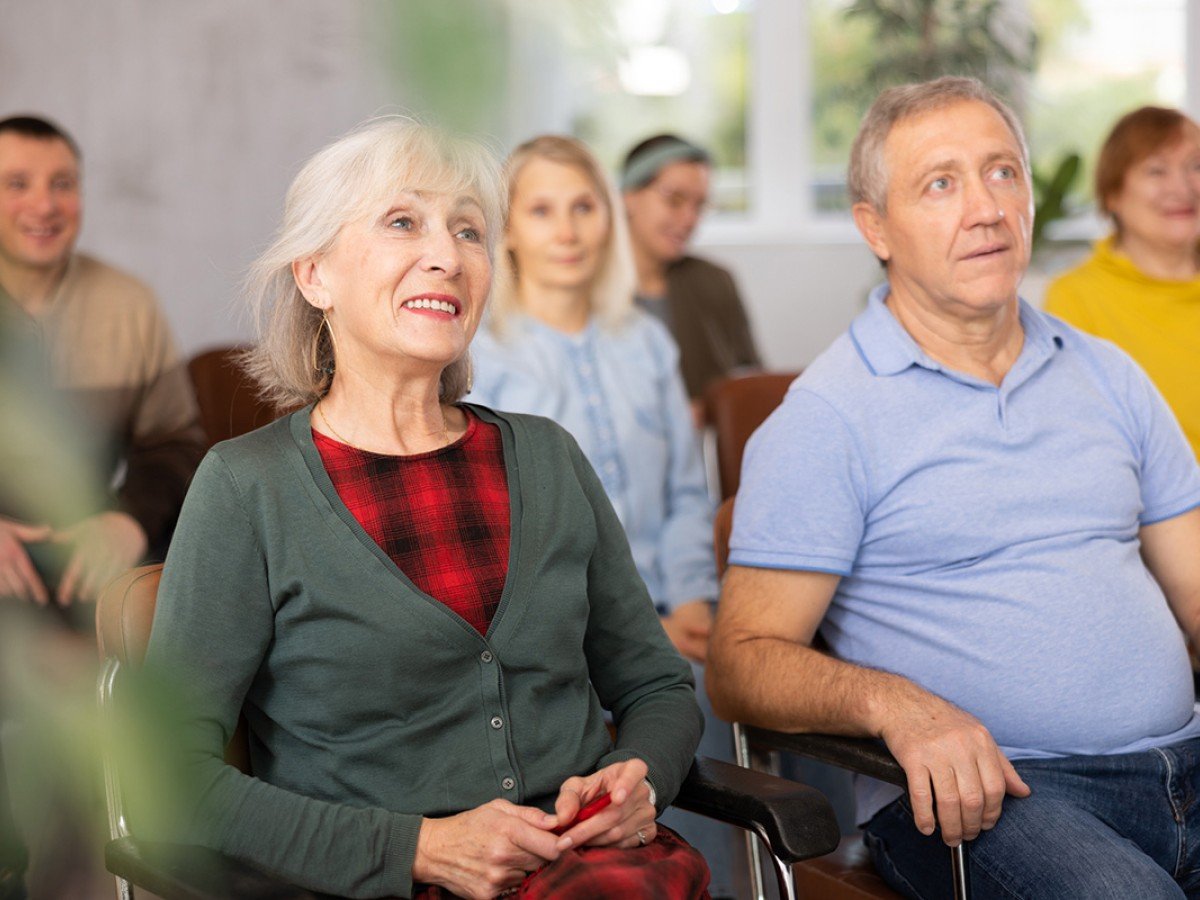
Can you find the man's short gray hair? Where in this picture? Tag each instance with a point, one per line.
(867, 179)
(293, 358)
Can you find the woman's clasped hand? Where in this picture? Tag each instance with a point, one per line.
(491, 849)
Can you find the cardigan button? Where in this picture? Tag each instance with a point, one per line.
(486, 655)
(497, 722)
(508, 784)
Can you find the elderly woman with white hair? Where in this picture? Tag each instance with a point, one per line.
(423, 607)
(564, 340)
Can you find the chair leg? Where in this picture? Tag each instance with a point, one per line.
(761, 762)
(785, 877)
(958, 871)
(124, 889)
(742, 752)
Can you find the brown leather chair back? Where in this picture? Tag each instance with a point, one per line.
(722, 529)
(735, 407)
(124, 616)
(229, 402)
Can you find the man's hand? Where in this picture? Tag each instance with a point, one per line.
(951, 761)
(18, 578)
(103, 546)
(484, 851)
(628, 821)
(765, 627)
(689, 626)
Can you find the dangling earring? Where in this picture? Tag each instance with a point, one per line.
(329, 366)
(315, 353)
(470, 373)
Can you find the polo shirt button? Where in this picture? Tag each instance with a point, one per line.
(497, 722)
(486, 655)
(508, 784)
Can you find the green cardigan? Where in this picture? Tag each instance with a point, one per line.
(370, 704)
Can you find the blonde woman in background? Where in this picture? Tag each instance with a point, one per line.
(564, 340)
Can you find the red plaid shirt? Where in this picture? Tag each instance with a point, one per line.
(668, 868)
(443, 516)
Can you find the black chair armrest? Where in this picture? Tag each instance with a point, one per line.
(178, 872)
(866, 756)
(796, 820)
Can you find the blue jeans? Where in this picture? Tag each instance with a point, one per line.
(1094, 827)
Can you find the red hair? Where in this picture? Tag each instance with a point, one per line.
(1135, 136)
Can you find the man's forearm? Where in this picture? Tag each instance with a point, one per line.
(779, 684)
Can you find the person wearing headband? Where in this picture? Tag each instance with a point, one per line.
(665, 182)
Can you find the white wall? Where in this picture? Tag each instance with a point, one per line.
(193, 118)
(799, 296)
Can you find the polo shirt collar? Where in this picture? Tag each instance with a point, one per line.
(882, 342)
(887, 349)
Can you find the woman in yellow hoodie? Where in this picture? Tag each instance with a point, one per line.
(1141, 286)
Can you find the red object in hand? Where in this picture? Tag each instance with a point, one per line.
(586, 813)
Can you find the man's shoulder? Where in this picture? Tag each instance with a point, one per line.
(103, 284)
(838, 375)
(692, 266)
(832, 398)
(701, 278)
(1099, 354)
(96, 272)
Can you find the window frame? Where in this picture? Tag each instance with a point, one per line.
(778, 137)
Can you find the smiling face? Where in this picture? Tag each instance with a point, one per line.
(39, 202)
(404, 290)
(558, 226)
(664, 214)
(956, 232)
(1159, 201)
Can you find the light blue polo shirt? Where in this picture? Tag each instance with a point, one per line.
(987, 537)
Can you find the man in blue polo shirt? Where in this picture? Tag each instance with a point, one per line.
(994, 521)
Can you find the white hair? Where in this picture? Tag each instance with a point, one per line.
(293, 358)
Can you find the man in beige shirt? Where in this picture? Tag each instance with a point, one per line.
(96, 339)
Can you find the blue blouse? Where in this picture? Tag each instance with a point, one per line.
(619, 393)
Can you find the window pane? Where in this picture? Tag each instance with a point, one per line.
(678, 66)
(1101, 59)
(1093, 61)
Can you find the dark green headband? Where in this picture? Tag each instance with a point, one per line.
(644, 167)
